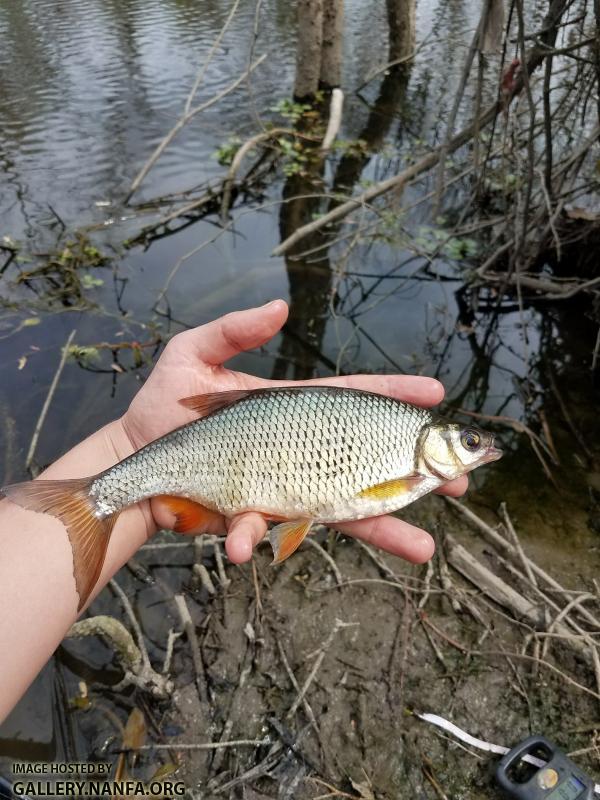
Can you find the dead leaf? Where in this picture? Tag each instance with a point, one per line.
(134, 735)
(165, 771)
(364, 790)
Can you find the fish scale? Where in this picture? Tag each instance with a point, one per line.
(306, 452)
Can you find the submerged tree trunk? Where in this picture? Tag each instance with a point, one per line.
(308, 56)
(331, 53)
(401, 21)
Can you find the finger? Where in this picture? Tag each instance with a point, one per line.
(392, 535)
(220, 340)
(415, 389)
(455, 488)
(244, 532)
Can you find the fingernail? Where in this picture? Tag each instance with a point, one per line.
(273, 303)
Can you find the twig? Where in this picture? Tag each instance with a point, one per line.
(427, 768)
(495, 538)
(305, 704)
(567, 416)
(457, 645)
(190, 632)
(543, 663)
(335, 119)
(48, 400)
(204, 577)
(513, 534)
(427, 585)
(171, 639)
(136, 670)
(209, 57)
(241, 153)
(183, 121)
(132, 618)
(317, 665)
(446, 580)
(377, 560)
(333, 792)
(223, 579)
(325, 555)
(596, 352)
(205, 745)
(396, 63)
(555, 624)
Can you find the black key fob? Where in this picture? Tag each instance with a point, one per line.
(554, 777)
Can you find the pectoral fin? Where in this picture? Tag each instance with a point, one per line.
(390, 489)
(286, 538)
(191, 516)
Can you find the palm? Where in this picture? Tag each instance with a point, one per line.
(192, 364)
(156, 409)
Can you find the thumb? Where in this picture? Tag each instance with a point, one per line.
(220, 340)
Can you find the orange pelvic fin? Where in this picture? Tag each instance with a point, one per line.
(191, 516)
(71, 503)
(207, 404)
(390, 489)
(286, 538)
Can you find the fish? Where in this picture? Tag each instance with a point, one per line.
(296, 455)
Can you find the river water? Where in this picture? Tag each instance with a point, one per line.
(89, 88)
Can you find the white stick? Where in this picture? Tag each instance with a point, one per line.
(335, 119)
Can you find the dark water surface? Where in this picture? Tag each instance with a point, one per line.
(87, 89)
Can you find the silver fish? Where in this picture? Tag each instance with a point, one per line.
(296, 455)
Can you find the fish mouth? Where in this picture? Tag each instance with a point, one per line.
(493, 453)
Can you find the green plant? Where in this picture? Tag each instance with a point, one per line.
(226, 152)
(291, 110)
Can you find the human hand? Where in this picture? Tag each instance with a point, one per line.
(192, 364)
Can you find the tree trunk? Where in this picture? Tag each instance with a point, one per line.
(331, 53)
(308, 56)
(401, 20)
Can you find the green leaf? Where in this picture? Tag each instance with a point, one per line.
(90, 282)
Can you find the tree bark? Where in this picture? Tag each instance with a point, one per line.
(308, 55)
(401, 20)
(331, 52)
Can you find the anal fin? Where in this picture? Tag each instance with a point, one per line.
(393, 488)
(286, 538)
(191, 516)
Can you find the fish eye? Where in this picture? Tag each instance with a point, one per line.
(470, 440)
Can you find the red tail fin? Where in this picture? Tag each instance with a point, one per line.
(70, 501)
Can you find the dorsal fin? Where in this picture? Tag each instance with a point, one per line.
(206, 404)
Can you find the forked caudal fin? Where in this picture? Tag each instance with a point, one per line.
(71, 503)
